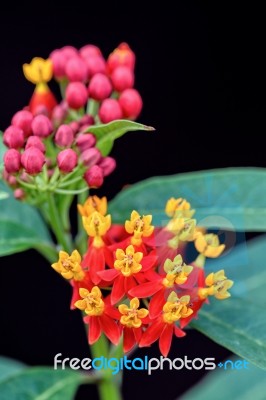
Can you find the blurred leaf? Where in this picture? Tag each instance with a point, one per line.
(3, 195)
(107, 133)
(242, 384)
(231, 198)
(9, 367)
(239, 323)
(22, 227)
(40, 383)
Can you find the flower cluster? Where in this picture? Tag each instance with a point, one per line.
(133, 281)
(50, 146)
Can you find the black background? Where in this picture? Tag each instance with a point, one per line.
(201, 72)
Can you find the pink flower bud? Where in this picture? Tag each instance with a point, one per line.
(94, 177)
(59, 62)
(67, 160)
(35, 141)
(85, 141)
(32, 160)
(108, 165)
(131, 103)
(10, 179)
(95, 64)
(12, 161)
(76, 95)
(122, 78)
(19, 194)
(59, 114)
(100, 87)
(23, 119)
(110, 110)
(90, 157)
(13, 137)
(64, 136)
(86, 120)
(89, 51)
(41, 126)
(74, 125)
(41, 109)
(76, 70)
(123, 55)
(69, 52)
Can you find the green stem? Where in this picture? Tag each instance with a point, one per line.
(63, 191)
(67, 183)
(82, 236)
(107, 386)
(92, 107)
(56, 224)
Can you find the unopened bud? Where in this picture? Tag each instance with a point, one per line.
(74, 125)
(108, 165)
(110, 110)
(64, 136)
(76, 70)
(23, 119)
(122, 78)
(13, 137)
(121, 56)
(12, 161)
(19, 194)
(41, 126)
(35, 141)
(90, 157)
(100, 87)
(95, 65)
(76, 95)
(67, 160)
(89, 51)
(85, 141)
(32, 160)
(94, 177)
(131, 103)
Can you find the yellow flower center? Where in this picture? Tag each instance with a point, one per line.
(176, 271)
(131, 315)
(139, 226)
(128, 263)
(176, 308)
(96, 226)
(218, 286)
(91, 302)
(178, 208)
(69, 265)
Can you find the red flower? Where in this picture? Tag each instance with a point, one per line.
(127, 272)
(164, 327)
(100, 317)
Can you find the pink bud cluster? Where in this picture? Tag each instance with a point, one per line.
(89, 76)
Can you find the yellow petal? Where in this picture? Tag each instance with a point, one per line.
(214, 252)
(134, 303)
(83, 293)
(80, 304)
(123, 309)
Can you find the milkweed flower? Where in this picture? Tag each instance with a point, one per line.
(209, 245)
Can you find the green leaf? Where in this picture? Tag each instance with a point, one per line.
(237, 384)
(3, 195)
(107, 133)
(231, 198)
(239, 323)
(40, 383)
(22, 227)
(9, 367)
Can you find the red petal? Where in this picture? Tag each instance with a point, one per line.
(95, 262)
(110, 328)
(130, 283)
(137, 334)
(191, 280)
(112, 311)
(129, 339)
(149, 261)
(146, 289)
(118, 290)
(166, 339)
(201, 277)
(196, 305)
(94, 330)
(140, 277)
(152, 333)
(109, 274)
(179, 332)
(109, 257)
(157, 302)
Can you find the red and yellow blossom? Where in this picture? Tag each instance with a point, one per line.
(93, 203)
(139, 227)
(69, 266)
(132, 318)
(129, 270)
(100, 315)
(164, 326)
(178, 208)
(217, 286)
